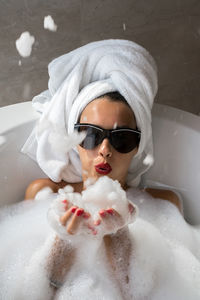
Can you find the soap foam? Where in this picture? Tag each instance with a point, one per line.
(104, 194)
(164, 261)
(23, 230)
(59, 140)
(149, 160)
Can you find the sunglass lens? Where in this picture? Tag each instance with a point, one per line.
(122, 140)
(125, 141)
(93, 137)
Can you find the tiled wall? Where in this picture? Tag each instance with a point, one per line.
(169, 29)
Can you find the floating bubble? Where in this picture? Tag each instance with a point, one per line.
(149, 160)
(49, 23)
(24, 44)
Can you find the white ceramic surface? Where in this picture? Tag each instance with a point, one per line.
(176, 143)
(16, 169)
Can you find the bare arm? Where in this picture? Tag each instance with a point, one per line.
(166, 195)
(37, 185)
(59, 262)
(118, 250)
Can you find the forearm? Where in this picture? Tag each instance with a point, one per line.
(39, 184)
(118, 249)
(59, 261)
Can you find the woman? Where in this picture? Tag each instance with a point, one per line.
(105, 112)
(117, 141)
(103, 159)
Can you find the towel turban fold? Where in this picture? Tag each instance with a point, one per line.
(77, 78)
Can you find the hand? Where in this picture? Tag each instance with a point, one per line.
(112, 221)
(68, 220)
(74, 218)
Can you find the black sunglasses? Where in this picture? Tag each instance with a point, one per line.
(122, 139)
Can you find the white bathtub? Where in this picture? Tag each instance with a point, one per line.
(176, 144)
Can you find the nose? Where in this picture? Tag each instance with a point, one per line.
(105, 149)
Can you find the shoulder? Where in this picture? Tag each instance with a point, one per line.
(38, 184)
(165, 195)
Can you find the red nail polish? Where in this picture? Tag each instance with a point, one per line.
(110, 211)
(102, 213)
(73, 209)
(86, 215)
(64, 201)
(79, 212)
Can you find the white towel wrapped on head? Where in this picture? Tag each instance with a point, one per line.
(76, 79)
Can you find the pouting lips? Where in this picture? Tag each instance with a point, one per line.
(103, 168)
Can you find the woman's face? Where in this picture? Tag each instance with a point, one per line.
(106, 114)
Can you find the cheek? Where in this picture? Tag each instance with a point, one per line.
(86, 157)
(131, 155)
(124, 161)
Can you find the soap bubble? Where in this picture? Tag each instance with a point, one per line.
(24, 44)
(49, 23)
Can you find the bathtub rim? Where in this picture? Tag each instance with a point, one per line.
(18, 115)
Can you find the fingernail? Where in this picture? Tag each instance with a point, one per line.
(102, 213)
(86, 215)
(64, 201)
(79, 212)
(110, 211)
(73, 209)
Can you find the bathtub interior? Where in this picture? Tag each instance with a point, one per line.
(176, 137)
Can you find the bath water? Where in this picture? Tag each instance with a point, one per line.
(164, 262)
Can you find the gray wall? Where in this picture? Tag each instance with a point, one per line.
(169, 29)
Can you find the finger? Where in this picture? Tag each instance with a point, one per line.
(113, 212)
(93, 230)
(110, 217)
(75, 221)
(66, 204)
(65, 201)
(109, 212)
(97, 222)
(86, 215)
(102, 213)
(115, 216)
(67, 215)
